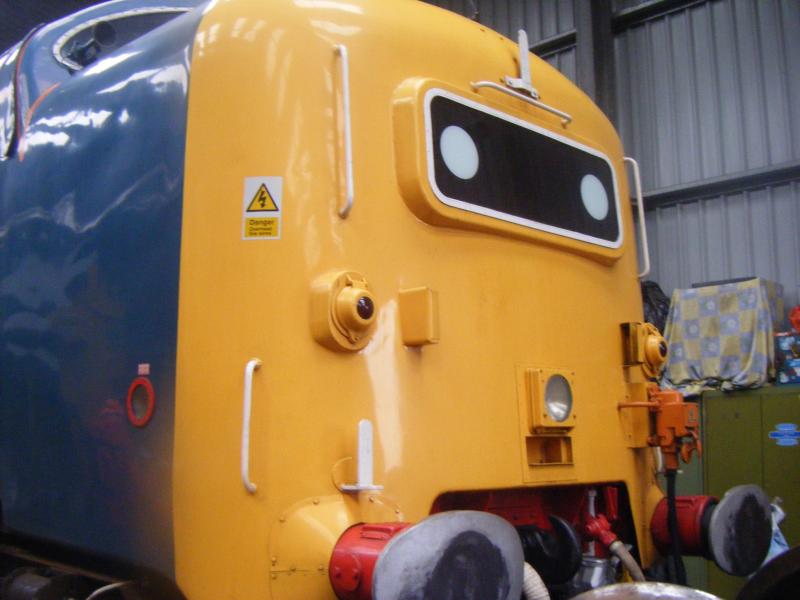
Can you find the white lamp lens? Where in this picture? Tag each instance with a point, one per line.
(594, 196)
(558, 398)
(459, 152)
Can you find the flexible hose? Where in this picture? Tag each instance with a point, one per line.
(672, 521)
(532, 585)
(107, 588)
(620, 551)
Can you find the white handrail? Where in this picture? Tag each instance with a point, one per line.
(637, 182)
(252, 366)
(341, 52)
(566, 118)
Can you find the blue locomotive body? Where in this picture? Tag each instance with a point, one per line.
(91, 181)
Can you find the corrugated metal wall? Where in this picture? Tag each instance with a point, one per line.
(542, 20)
(706, 90)
(741, 234)
(565, 61)
(623, 4)
(712, 89)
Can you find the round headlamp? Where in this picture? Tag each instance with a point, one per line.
(558, 398)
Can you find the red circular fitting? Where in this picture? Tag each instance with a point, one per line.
(141, 420)
(355, 555)
(690, 511)
(598, 528)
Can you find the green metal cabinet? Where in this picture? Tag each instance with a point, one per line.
(738, 449)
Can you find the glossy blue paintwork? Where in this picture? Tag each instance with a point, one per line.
(90, 219)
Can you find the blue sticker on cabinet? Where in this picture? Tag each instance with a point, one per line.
(785, 434)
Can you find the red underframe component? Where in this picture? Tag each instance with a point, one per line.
(598, 528)
(520, 507)
(354, 557)
(690, 511)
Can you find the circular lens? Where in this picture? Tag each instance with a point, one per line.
(459, 152)
(365, 308)
(558, 398)
(594, 197)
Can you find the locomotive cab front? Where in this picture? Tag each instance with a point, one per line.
(491, 236)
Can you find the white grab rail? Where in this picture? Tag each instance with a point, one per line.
(637, 182)
(566, 118)
(341, 52)
(251, 367)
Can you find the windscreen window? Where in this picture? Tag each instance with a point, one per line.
(487, 162)
(94, 39)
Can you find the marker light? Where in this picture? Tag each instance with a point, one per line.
(558, 398)
(459, 152)
(594, 196)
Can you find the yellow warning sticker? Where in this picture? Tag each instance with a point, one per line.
(262, 201)
(262, 208)
(261, 228)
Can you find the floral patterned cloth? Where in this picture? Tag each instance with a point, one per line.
(721, 337)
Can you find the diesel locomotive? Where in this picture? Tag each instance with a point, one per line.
(316, 299)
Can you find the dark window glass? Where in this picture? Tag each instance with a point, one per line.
(520, 172)
(107, 35)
